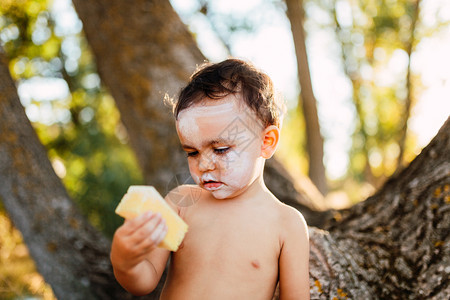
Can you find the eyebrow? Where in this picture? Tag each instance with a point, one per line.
(208, 143)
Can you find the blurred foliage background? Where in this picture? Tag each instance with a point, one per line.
(374, 42)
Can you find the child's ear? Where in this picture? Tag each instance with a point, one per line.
(271, 136)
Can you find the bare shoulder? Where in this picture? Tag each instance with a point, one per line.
(292, 222)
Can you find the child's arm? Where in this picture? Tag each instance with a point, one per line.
(138, 264)
(294, 258)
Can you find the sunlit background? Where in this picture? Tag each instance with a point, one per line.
(268, 43)
(270, 46)
(77, 121)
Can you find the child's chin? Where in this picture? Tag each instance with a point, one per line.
(224, 194)
(220, 195)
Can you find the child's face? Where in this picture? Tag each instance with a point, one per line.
(222, 139)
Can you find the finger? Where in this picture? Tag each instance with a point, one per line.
(156, 235)
(131, 234)
(146, 229)
(155, 238)
(162, 236)
(131, 225)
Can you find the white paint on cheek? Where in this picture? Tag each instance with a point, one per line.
(237, 174)
(196, 178)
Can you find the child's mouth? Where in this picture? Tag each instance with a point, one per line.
(212, 185)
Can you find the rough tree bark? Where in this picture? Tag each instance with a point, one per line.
(145, 52)
(314, 138)
(396, 244)
(71, 255)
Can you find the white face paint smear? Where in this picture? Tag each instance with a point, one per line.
(224, 152)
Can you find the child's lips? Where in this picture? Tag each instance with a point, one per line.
(212, 185)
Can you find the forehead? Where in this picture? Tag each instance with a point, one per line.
(231, 103)
(210, 119)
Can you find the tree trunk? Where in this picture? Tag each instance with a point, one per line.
(314, 138)
(71, 255)
(394, 245)
(144, 51)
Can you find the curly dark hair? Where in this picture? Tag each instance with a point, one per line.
(233, 76)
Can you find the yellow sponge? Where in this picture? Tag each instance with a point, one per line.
(140, 199)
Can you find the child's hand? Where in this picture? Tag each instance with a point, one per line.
(135, 239)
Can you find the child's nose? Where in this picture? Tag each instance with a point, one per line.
(206, 163)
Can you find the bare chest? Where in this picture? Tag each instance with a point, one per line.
(227, 252)
(231, 241)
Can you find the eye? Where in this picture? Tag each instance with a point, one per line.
(192, 153)
(221, 150)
